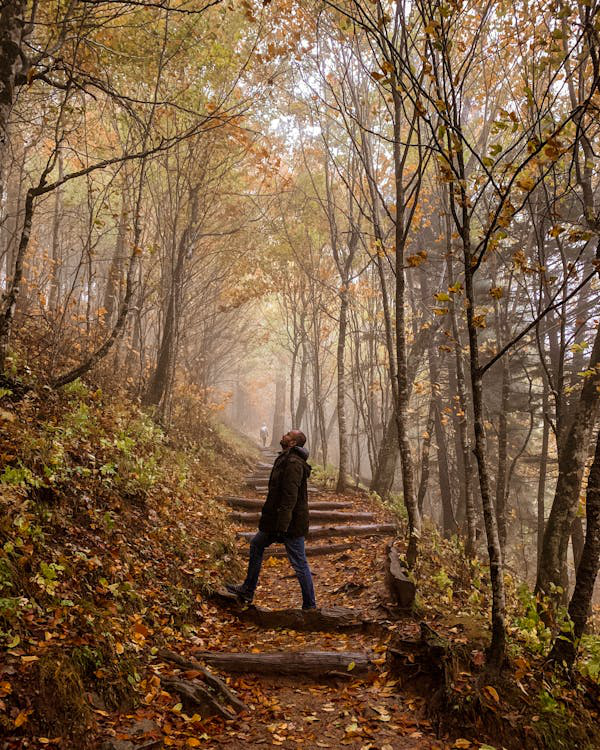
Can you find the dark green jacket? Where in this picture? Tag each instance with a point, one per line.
(286, 508)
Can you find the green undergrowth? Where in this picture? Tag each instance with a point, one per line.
(528, 705)
(110, 534)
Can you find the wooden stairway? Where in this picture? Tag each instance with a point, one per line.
(329, 519)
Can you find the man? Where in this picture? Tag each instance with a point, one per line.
(284, 518)
(264, 434)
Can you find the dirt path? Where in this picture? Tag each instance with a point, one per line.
(365, 713)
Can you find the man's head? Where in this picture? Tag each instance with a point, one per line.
(292, 438)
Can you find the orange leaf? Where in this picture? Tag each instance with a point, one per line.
(22, 718)
(492, 692)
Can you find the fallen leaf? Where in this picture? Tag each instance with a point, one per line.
(492, 692)
(22, 717)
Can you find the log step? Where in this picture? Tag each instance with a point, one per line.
(322, 532)
(309, 663)
(315, 551)
(315, 515)
(325, 619)
(263, 488)
(256, 503)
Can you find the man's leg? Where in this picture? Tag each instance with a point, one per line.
(297, 557)
(260, 541)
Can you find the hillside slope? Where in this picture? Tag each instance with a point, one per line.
(108, 536)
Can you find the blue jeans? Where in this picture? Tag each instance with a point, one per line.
(297, 557)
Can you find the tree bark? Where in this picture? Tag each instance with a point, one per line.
(13, 31)
(402, 401)
(564, 648)
(397, 579)
(463, 428)
(541, 491)
(279, 413)
(341, 484)
(10, 297)
(56, 260)
(570, 472)
(425, 455)
(312, 663)
(449, 524)
(498, 644)
(387, 457)
(501, 488)
(111, 292)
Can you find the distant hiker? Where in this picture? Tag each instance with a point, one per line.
(284, 518)
(264, 434)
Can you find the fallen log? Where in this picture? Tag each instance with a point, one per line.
(260, 484)
(322, 532)
(216, 683)
(314, 551)
(252, 503)
(196, 698)
(399, 584)
(309, 663)
(324, 619)
(315, 515)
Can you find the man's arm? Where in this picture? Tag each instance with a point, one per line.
(290, 485)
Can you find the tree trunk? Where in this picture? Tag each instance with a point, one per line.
(463, 427)
(498, 644)
(279, 413)
(577, 540)
(449, 524)
(341, 391)
(111, 292)
(12, 293)
(541, 491)
(501, 488)
(13, 30)
(570, 472)
(564, 648)
(383, 479)
(167, 352)
(425, 455)
(302, 399)
(402, 401)
(55, 271)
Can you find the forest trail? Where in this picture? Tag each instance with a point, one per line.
(366, 711)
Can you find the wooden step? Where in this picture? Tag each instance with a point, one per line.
(319, 550)
(324, 619)
(315, 515)
(308, 663)
(252, 503)
(263, 488)
(323, 532)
